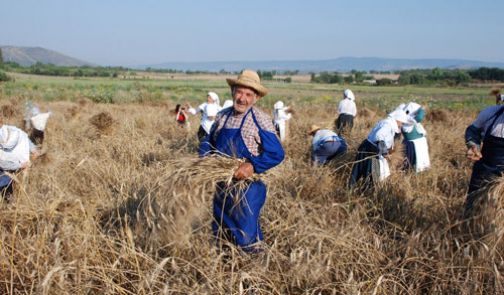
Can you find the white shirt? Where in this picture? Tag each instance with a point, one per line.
(384, 131)
(347, 106)
(486, 117)
(15, 147)
(321, 136)
(206, 123)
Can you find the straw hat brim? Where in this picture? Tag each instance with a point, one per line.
(313, 129)
(261, 90)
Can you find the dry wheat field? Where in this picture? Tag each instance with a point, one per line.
(112, 207)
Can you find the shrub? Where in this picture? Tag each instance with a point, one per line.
(4, 77)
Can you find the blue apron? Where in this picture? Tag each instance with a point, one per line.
(491, 165)
(238, 222)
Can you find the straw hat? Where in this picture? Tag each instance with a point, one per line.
(250, 79)
(313, 129)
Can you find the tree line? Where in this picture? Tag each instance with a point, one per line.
(436, 76)
(53, 70)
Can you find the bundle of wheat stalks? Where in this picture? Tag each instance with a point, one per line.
(203, 174)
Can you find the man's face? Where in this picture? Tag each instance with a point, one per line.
(243, 99)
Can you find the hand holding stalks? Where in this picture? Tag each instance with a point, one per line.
(244, 171)
(473, 153)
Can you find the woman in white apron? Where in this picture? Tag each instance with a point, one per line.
(416, 148)
(280, 118)
(371, 164)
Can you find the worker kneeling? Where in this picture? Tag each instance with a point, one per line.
(15, 149)
(326, 145)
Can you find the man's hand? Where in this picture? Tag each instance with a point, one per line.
(244, 171)
(473, 153)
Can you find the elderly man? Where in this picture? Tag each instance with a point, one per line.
(243, 131)
(488, 128)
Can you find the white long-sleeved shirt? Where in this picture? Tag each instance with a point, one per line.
(206, 123)
(347, 106)
(384, 131)
(15, 148)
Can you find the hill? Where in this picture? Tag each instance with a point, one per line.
(27, 56)
(343, 64)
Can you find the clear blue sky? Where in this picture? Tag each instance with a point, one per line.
(112, 32)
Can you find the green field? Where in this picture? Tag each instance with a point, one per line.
(108, 90)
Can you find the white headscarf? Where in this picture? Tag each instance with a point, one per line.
(399, 115)
(411, 108)
(349, 94)
(278, 105)
(214, 97)
(39, 121)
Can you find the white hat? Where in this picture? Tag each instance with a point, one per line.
(278, 105)
(502, 97)
(211, 110)
(228, 103)
(399, 115)
(348, 94)
(214, 97)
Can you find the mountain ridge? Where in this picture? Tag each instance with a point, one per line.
(27, 56)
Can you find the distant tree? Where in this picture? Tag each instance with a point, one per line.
(348, 79)
(326, 77)
(383, 82)
(1, 57)
(266, 75)
(487, 74)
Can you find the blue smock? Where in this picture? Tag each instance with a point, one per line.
(240, 222)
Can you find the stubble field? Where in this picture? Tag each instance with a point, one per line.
(104, 211)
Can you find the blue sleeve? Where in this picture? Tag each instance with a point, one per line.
(206, 147)
(473, 136)
(271, 155)
(420, 115)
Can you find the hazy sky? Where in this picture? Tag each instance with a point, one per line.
(112, 32)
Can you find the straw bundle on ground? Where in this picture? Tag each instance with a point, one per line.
(102, 121)
(437, 115)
